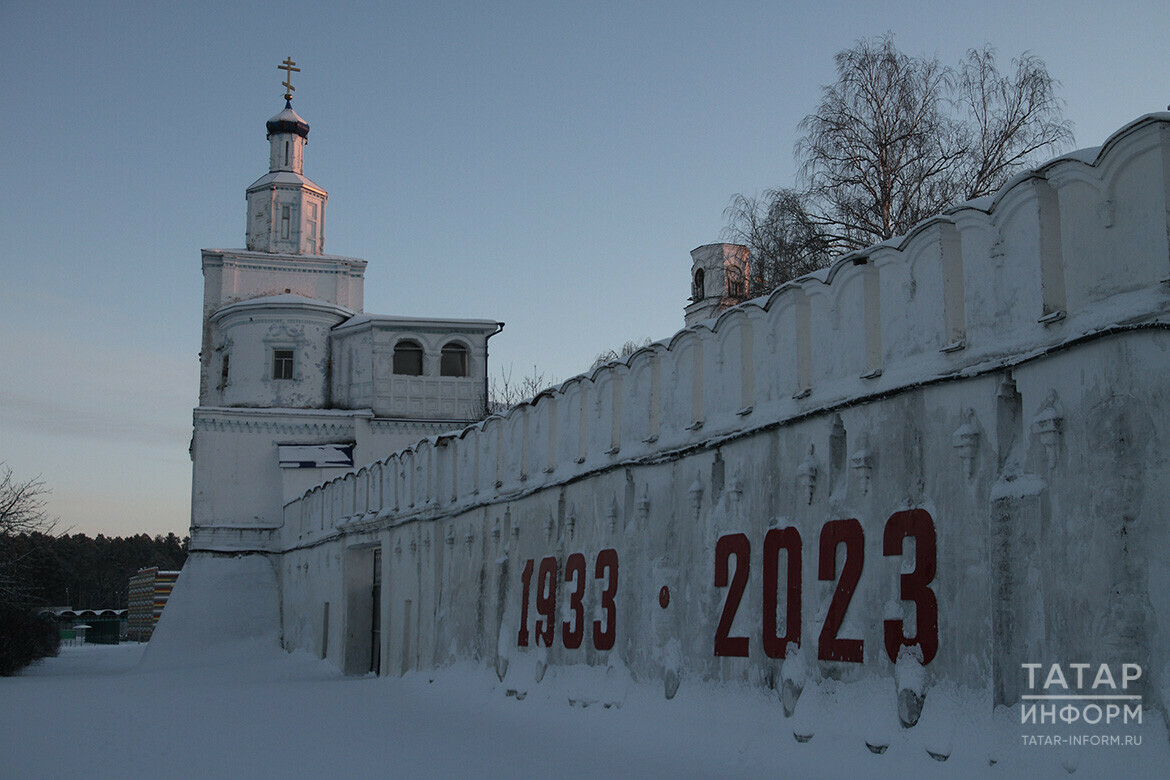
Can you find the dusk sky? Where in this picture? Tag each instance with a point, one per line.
(549, 165)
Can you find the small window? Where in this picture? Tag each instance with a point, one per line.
(282, 364)
(408, 358)
(223, 372)
(735, 287)
(284, 220)
(453, 361)
(698, 291)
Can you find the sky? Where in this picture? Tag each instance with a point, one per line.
(549, 165)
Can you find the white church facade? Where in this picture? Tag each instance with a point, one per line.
(297, 383)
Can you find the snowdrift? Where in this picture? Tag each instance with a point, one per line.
(223, 608)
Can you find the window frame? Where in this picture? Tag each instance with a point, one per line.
(403, 347)
(284, 368)
(733, 282)
(461, 349)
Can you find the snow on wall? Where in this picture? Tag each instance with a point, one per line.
(970, 422)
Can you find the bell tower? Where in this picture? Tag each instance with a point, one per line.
(286, 211)
(283, 256)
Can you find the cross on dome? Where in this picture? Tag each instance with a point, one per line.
(288, 67)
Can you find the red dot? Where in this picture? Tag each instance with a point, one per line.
(664, 597)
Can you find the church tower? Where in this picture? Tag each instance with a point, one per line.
(297, 383)
(286, 211)
(283, 256)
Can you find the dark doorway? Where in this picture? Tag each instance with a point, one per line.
(363, 610)
(376, 615)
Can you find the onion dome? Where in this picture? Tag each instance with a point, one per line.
(288, 121)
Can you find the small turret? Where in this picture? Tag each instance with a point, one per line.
(287, 134)
(720, 279)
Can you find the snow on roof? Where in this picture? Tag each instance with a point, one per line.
(287, 115)
(252, 411)
(276, 178)
(408, 323)
(257, 254)
(282, 301)
(288, 121)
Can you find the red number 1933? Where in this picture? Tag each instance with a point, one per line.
(547, 581)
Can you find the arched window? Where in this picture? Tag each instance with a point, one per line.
(734, 278)
(697, 287)
(408, 358)
(453, 361)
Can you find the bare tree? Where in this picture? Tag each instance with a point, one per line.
(894, 141)
(22, 512)
(24, 635)
(22, 505)
(1008, 119)
(784, 239)
(627, 349)
(878, 153)
(505, 392)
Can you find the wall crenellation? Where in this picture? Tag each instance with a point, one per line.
(983, 285)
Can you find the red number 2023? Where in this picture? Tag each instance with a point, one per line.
(914, 586)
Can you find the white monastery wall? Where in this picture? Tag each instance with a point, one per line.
(239, 484)
(732, 503)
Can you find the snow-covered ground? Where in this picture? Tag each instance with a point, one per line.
(94, 712)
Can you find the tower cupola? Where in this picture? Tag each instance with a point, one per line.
(286, 211)
(287, 136)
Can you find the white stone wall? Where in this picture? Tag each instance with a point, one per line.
(231, 276)
(251, 332)
(304, 231)
(1002, 369)
(237, 480)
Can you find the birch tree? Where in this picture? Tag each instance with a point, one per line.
(895, 140)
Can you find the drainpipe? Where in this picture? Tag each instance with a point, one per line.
(486, 375)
